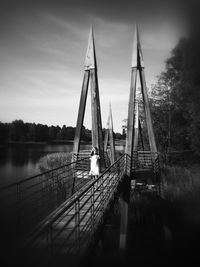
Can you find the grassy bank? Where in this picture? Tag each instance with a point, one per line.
(180, 182)
(181, 193)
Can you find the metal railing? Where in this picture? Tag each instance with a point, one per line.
(81, 154)
(26, 203)
(87, 153)
(156, 170)
(144, 160)
(66, 205)
(71, 228)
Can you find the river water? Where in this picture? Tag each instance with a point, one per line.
(19, 161)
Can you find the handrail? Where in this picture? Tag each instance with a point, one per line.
(25, 203)
(70, 202)
(75, 219)
(92, 204)
(39, 174)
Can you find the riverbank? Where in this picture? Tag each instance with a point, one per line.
(38, 143)
(56, 142)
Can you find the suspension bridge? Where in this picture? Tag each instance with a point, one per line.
(55, 217)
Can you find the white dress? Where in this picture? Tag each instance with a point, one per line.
(94, 165)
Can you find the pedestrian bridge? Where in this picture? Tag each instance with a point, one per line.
(56, 215)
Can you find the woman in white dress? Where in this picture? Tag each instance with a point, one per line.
(94, 164)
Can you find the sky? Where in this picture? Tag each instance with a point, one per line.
(43, 47)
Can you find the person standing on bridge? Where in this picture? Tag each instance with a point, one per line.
(94, 164)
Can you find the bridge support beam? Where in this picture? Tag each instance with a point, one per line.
(141, 135)
(81, 112)
(109, 136)
(136, 129)
(90, 74)
(133, 124)
(131, 105)
(131, 108)
(148, 119)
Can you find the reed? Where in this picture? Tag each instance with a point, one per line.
(53, 160)
(180, 182)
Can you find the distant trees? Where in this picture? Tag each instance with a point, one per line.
(4, 132)
(124, 127)
(66, 133)
(19, 131)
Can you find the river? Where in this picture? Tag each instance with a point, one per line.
(19, 161)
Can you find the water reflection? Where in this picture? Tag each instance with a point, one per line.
(19, 161)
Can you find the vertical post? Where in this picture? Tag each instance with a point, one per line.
(107, 133)
(141, 136)
(131, 105)
(111, 136)
(81, 112)
(150, 131)
(90, 67)
(106, 139)
(136, 129)
(97, 138)
(151, 136)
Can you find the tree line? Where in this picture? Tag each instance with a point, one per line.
(175, 98)
(19, 131)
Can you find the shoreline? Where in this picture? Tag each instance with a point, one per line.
(56, 142)
(41, 143)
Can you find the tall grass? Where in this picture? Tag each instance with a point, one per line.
(180, 182)
(53, 160)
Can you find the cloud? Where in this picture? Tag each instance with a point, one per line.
(42, 52)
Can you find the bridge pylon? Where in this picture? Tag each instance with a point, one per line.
(109, 136)
(133, 124)
(90, 76)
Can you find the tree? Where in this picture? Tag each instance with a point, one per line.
(70, 132)
(4, 132)
(181, 104)
(52, 133)
(17, 131)
(32, 132)
(124, 127)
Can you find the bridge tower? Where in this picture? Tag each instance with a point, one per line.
(90, 76)
(110, 137)
(137, 65)
(137, 130)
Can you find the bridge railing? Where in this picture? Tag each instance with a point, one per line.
(144, 160)
(81, 154)
(71, 228)
(87, 153)
(25, 203)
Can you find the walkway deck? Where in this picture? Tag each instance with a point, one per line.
(71, 228)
